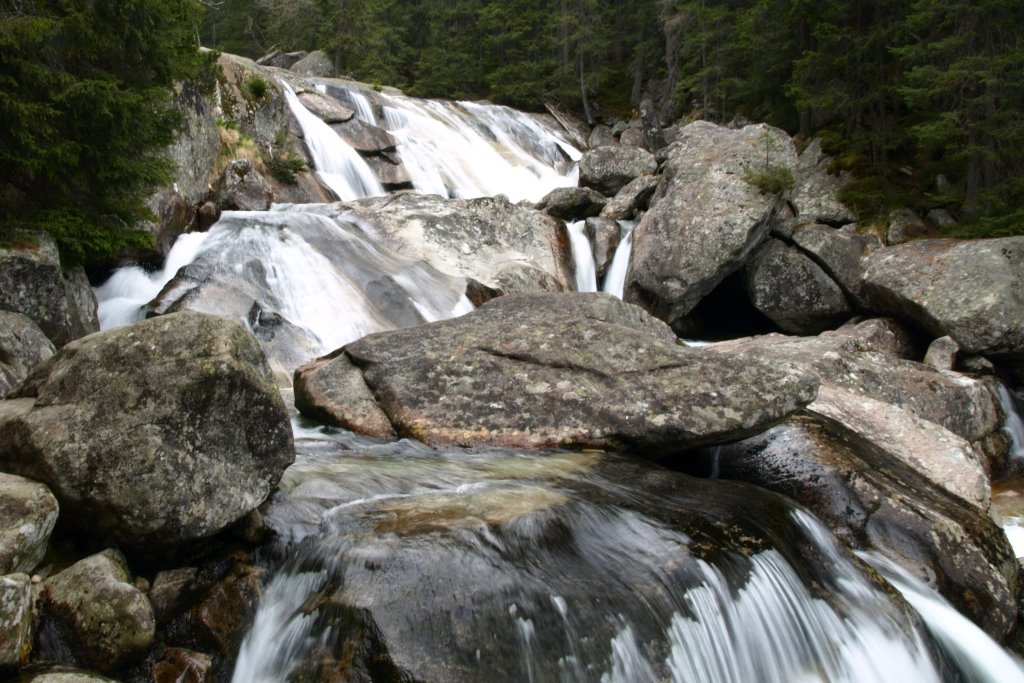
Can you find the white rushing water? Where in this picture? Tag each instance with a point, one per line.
(466, 150)
(1014, 425)
(337, 165)
(615, 278)
(583, 257)
(979, 658)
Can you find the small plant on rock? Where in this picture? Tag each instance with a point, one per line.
(773, 179)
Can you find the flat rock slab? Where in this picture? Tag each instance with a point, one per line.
(570, 370)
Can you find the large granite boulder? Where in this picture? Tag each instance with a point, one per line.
(152, 434)
(497, 243)
(23, 346)
(815, 194)
(705, 219)
(94, 616)
(550, 370)
(28, 513)
(609, 169)
(58, 300)
(874, 501)
(793, 291)
(972, 291)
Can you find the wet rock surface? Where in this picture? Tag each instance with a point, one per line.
(551, 370)
(154, 434)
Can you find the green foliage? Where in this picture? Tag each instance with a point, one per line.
(874, 196)
(85, 114)
(285, 167)
(774, 179)
(255, 87)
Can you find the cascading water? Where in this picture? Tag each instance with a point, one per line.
(583, 257)
(1013, 425)
(615, 278)
(504, 565)
(338, 166)
(977, 657)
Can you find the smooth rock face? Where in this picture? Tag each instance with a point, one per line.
(152, 434)
(32, 283)
(572, 203)
(28, 513)
(95, 611)
(971, 290)
(562, 370)
(326, 108)
(872, 500)
(792, 291)
(816, 191)
(23, 346)
(609, 169)
(16, 616)
(705, 219)
(498, 244)
(364, 137)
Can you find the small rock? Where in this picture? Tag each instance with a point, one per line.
(28, 513)
(326, 108)
(183, 666)
(16, 619)
(316, 63)
(942, 353)
(635, 196)
(604, 235)
(572, 203)
(609, 169)
(170, 591)
(942, 218)
(904, 226)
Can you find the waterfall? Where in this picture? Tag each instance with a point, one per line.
(615, 278)
(337, 165)
(1014, 425)
(583, 257)
(505, 565)
(979, 658)
(466, 150)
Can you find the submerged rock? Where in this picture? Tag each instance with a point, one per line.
(554, 370)
(705, 219)
(972, 290)
(152, 434)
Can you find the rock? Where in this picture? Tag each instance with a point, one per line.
(65, 675)
(91, 615)
(364, 137)
(16, 617)
(870, 360)
(169, 592)
(498, 244)
(221, 620)
(23, 346)
(609, 169)
(208, 214)
(650, 126)
(28, 513)
(839, 254)
(633, 137)
(601, 136)
(572, 203)
(183, 666)
(704, 220)
(972, 291)
(872, 500)
(816, 191)
(316, 63)
(193, 439)
(243, 188)
(604, 235)
(265, 119)
(281, 60)
(332, 390)
(635, 196)
(177, 215)
(553, 370)
(942, 219)
(942, 353)
(904, 226)
(792, 291)
(33, 283)
(389, 174)
(978, 365)
(326, 108)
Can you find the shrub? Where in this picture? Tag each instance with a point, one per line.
(255, 87)
(775, 179)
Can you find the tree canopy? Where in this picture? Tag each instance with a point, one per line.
(85, 115)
